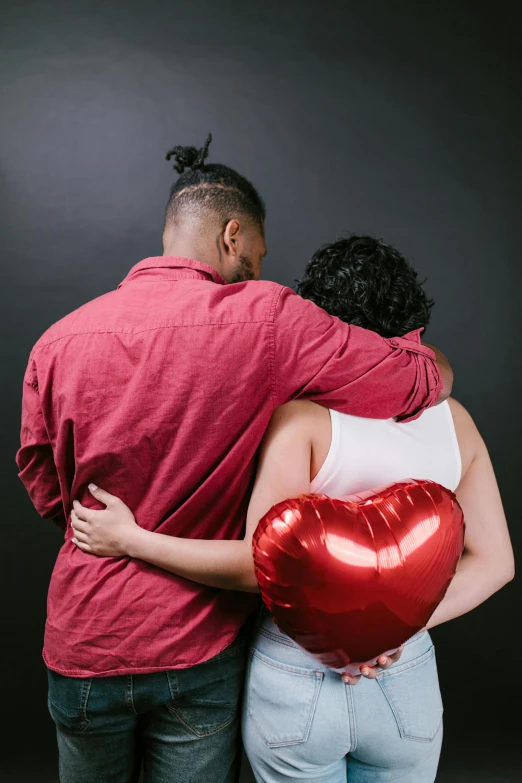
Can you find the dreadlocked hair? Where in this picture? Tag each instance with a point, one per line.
(365, 282)
(210, 187)
(189, 157)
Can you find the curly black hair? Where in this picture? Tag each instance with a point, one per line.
(367, 283)
(210, 186)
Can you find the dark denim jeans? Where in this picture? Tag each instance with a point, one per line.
(181, 725)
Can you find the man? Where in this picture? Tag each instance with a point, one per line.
(167, 385)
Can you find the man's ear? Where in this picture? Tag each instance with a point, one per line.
(231, 237)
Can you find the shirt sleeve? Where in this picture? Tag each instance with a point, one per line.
(35, 457)
(350, 369)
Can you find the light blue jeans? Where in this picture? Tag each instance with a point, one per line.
(302, 723)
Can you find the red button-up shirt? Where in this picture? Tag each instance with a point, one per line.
(160, 392)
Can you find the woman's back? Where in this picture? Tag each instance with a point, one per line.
(308, 448)
(368, 453)
(300, 720)
(296, 715)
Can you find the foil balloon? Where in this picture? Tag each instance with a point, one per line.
(350, 579)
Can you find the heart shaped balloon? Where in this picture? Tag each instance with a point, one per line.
(350, 579)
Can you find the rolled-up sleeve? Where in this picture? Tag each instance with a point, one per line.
(350, 369)
(35, 458)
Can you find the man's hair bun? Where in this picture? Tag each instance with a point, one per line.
(189, 157)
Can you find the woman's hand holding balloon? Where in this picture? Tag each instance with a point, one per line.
(347, 577)
(371, 672)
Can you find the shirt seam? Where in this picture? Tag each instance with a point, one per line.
(149, 329)
(164, 279)
(276, 303)
(272, 346)
(180, 262)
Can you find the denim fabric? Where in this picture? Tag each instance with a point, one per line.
(182, 725)
(302, 723)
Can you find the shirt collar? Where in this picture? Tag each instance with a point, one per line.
(173, 268)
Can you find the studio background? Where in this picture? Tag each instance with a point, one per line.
(398, 119)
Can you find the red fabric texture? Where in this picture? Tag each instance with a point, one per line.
(160, 392)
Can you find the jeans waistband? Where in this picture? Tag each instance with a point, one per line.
(268, 628)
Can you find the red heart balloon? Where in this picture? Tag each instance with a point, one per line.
(350, 579)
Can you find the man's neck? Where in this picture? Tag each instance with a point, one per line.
(187, 248)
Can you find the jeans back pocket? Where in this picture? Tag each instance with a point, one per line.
(281, 699)
(208, 696)
(413, 693)
(67, 701)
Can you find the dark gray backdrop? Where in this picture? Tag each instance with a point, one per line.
(400, 119)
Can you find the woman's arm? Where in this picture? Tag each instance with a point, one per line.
(113, 532)
(283, 472)
(487, 563)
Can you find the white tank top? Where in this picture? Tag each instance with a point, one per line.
(369, 453)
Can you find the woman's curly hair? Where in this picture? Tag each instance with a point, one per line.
(367, 283)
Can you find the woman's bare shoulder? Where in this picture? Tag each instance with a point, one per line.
(300, 421)
(462, 419)
(299, 412)
(468, 437)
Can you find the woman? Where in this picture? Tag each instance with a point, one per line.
(301, 721)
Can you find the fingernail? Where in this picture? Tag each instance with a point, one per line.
(93, 487)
